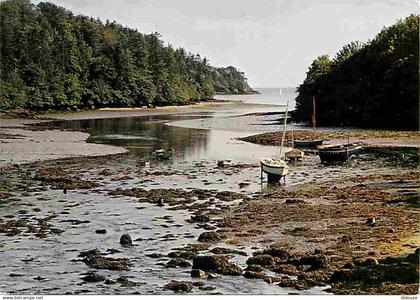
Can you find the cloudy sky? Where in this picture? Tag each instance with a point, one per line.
(272, 41)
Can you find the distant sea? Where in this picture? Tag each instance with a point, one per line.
(273, 96)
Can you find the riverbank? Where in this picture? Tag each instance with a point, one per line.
(19, 143)
(369, 138)
(23, 140)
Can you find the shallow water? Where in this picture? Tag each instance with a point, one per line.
(274, 96)
(198, 147)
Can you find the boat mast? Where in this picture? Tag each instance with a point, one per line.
(293, 137)
(284, 129)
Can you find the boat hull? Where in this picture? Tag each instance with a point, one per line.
(294, 155)
(274, 172)
(338, 155)
(307, 144)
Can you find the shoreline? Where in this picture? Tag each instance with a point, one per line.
(320, 234)
(22, 140)
(366, 137)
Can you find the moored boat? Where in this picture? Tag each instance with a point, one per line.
(338, 153)
(276, 168)
(294, 155)
(307, 143)
(163, 154)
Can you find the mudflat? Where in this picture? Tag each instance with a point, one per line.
(117, 225)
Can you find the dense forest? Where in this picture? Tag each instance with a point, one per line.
(367, 85)
(51, 58)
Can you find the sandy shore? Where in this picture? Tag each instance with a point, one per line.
(19, 143)
(200, 107)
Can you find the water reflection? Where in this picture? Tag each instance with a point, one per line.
(144, 134)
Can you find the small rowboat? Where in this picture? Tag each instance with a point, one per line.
(337, 153)
(294, 155)
(163, 154)
(307, 143)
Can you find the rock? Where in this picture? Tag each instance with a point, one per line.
(249, 274)
(370, 262)
(56, 230)
(276, 251)
(294, 201)
(93, 277)
(287, 282)
(209, 237)
(21, 223)
(216, 263)
(314, 261)
(110, 281)
(207, 288)
(370, 222)
(348, 265)
(262, 260)
(243, 184)
(220, 163)
(112, 251)
(100, 231)
(198, 273)
(286, 269)
(212, 276)
(39, 278)
(125, 282)
(254, 268)
(220, 250)
(200, 218)
(125, 240)
(95, 259)
(154, 255)
(188, 254)
(209, 227)
(105, 172)
(180, 286)
(93, 252)
(178, 262)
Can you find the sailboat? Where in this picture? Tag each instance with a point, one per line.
(280, 92)
(276, 167)
(294, 154)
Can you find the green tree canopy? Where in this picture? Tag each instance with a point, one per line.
(372, 85)
(51, 58)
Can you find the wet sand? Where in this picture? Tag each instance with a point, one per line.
(22, 142)
(19, 144)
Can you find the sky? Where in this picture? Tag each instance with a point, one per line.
(272, 41)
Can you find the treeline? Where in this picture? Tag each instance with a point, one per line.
(51, 58)
(372, 85)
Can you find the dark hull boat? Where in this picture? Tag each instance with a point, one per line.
(337, 153)
(307, 143)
